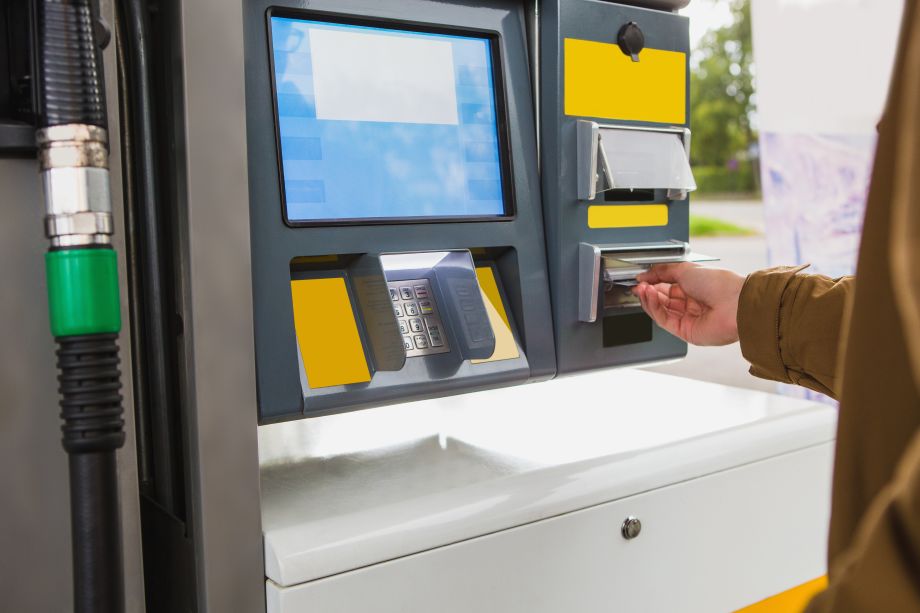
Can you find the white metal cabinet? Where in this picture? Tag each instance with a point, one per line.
(512, 500)
(716, 543)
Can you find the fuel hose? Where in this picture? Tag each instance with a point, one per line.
(83, 296)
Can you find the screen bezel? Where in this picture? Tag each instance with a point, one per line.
(501, 111)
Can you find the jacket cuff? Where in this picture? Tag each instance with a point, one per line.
(759, 307)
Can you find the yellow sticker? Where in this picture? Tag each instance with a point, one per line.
(602, 81)
(627, 215)
(327, 333)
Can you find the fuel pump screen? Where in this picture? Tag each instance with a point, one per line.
(386, 124)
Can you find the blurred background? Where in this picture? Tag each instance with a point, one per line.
(785, 99)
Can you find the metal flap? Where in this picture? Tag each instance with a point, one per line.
(620, 157)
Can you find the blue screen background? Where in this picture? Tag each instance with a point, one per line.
(339, 169)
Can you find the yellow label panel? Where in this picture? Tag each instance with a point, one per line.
(790, 601)
(327, 333)
(602, 81)
(627, 215)
(505, 347)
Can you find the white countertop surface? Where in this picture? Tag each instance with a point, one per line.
(344, 491)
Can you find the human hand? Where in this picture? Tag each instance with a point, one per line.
(696, 304)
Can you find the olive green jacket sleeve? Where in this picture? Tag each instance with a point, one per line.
(789, 325)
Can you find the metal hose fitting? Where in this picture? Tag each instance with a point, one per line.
(75, 178)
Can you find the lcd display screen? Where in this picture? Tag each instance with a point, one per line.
(386, 124)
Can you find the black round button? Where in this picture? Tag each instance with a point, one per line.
(631, 40)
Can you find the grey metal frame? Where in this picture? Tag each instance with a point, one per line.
(216, 288)
(216, 304)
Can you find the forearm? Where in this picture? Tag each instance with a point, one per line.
(789, 325)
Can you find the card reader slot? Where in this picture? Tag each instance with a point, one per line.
(610, 271)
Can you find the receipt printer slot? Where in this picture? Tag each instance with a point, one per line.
(612, 157)
(608, 272)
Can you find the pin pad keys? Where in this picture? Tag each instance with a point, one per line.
(417, 314)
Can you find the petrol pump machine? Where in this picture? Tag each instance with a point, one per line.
(397, 231)
(430, 198)
(397, 222)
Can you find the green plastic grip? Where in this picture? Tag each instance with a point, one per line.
(83, 291)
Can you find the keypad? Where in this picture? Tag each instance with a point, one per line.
(418, 317)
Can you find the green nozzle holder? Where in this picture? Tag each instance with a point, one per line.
(83, 291)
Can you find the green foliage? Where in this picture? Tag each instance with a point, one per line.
(720, 179)
(709, 226)
(722, 91)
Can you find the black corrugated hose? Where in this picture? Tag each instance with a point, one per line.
(72, 92)
(90, 384)
(71, 89)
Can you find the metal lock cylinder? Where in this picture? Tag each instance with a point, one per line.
(631, 528)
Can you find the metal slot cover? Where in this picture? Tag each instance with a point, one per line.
(630, 158)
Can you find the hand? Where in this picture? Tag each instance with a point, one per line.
(696, 304)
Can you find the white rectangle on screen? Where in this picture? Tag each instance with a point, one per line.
(360, 76)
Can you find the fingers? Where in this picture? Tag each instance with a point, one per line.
(665, 273)
(659, 311)
(676, 300)
(655, 304)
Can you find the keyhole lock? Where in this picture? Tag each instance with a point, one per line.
(631, 40)
(631, 528)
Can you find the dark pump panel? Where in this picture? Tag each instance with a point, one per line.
(389, 178)
(615, 136)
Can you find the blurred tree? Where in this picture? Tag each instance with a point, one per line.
(722, 92)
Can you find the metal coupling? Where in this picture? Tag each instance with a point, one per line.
(75, 179)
